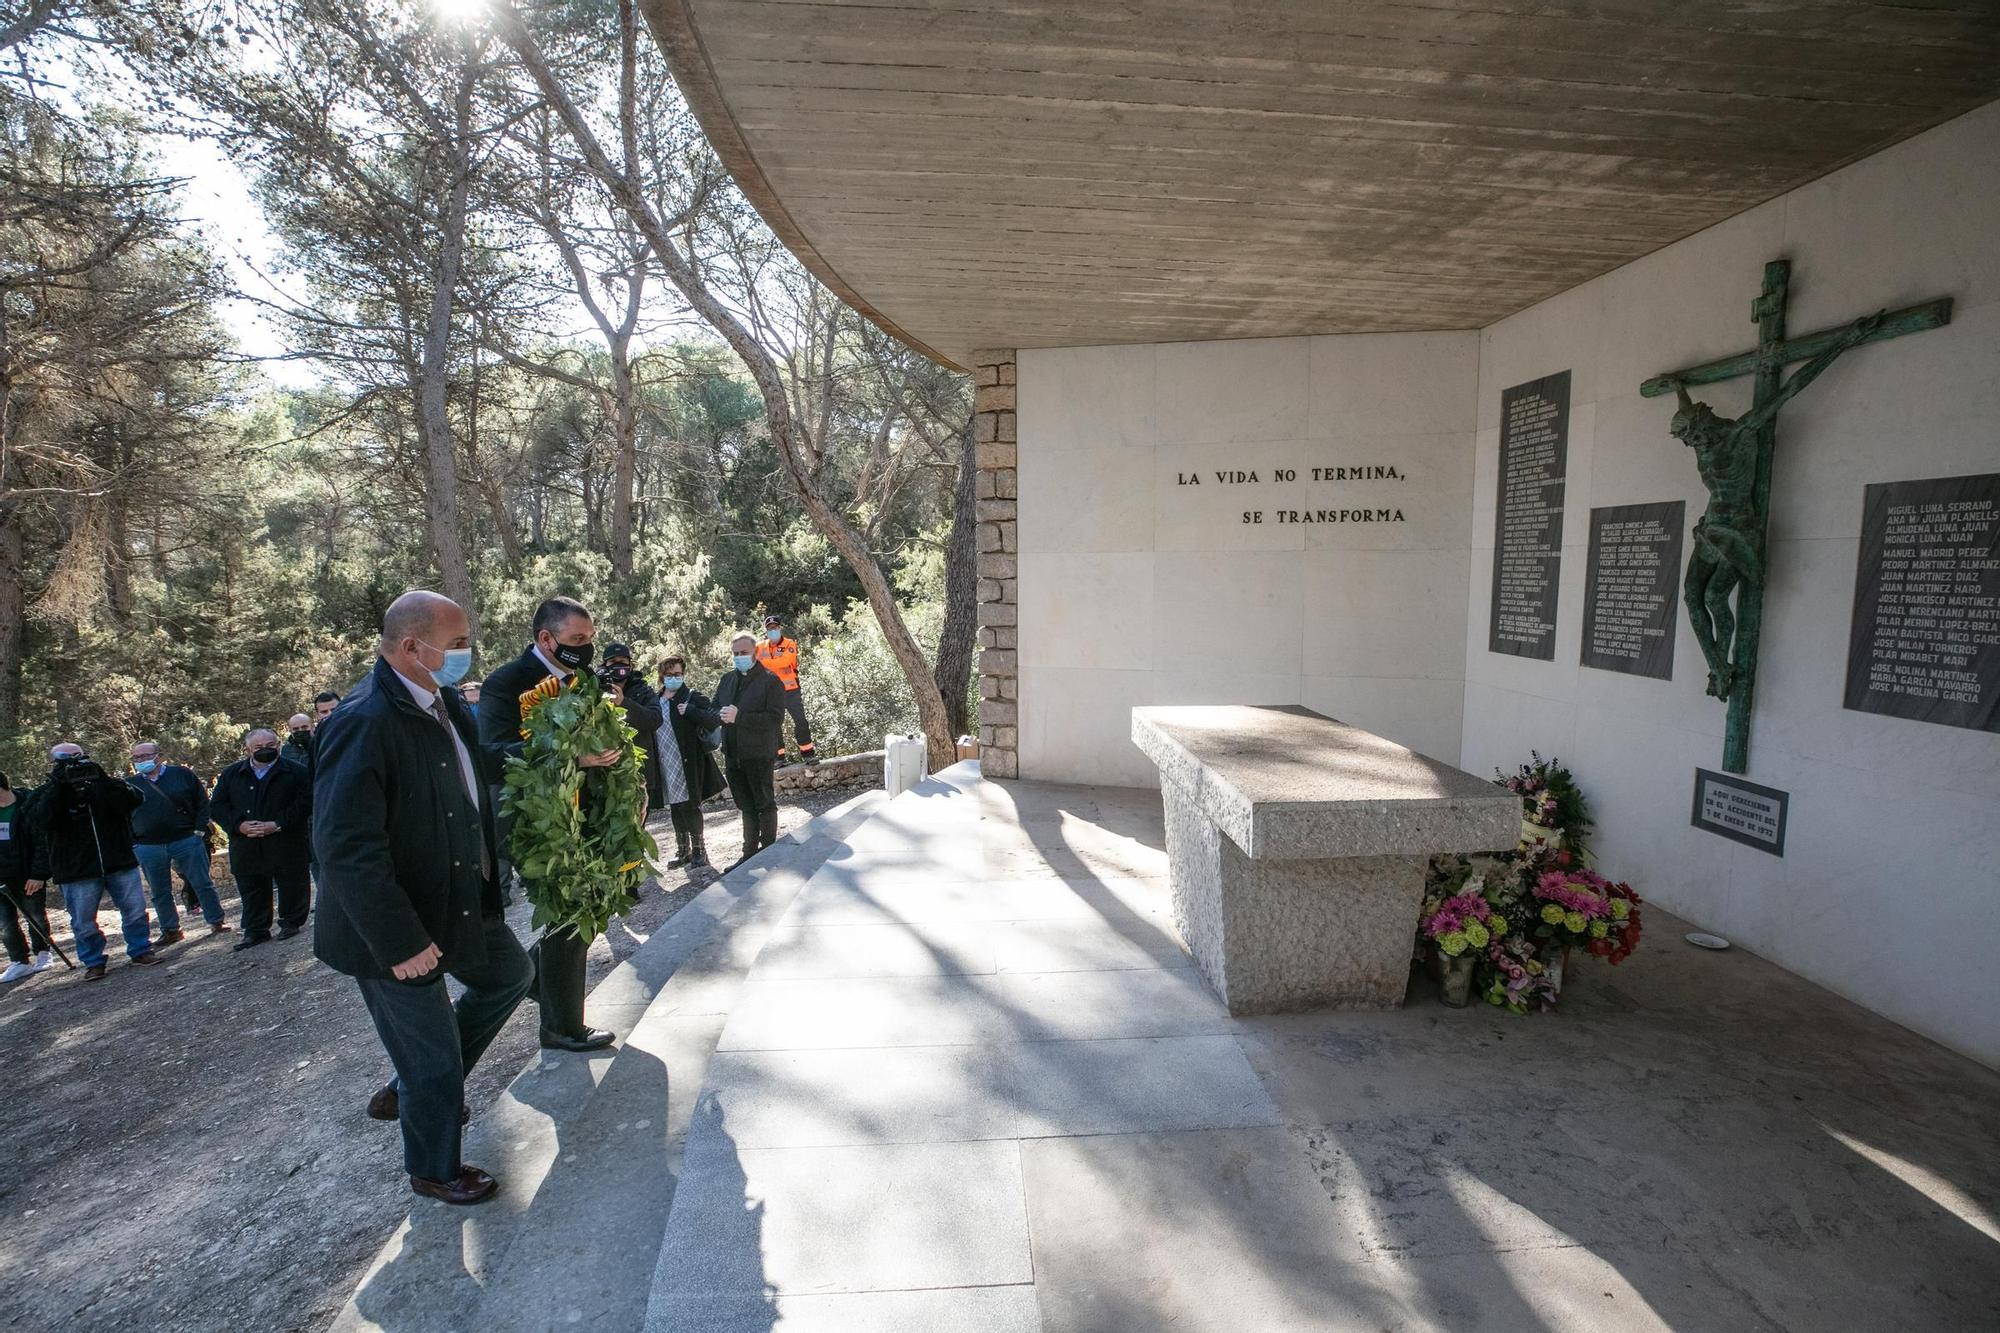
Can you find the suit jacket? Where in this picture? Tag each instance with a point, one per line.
(759, 697)
(284, 797)
(398, 840)
(500, 702)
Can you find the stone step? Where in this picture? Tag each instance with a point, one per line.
(587, 1146)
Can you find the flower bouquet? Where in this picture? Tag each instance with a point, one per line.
(580, 838)
(1576, 908)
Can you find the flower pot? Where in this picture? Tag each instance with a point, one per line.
(1455, 977)
(1556, 962)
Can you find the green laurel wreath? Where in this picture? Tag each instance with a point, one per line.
(580, 837)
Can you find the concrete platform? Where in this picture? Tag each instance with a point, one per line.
(969, 1082)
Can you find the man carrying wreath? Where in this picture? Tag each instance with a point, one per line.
(549, 667)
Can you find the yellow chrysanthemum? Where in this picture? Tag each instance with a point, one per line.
(1574, 921)
(1620, 909)
(1552, 913)
(1599, 929)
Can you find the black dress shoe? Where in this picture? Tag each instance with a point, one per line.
(248, 942)
(591, 1039)
(387, 1104)
(471, 1186)
(286, 932)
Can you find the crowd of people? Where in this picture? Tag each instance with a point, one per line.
(90, 834)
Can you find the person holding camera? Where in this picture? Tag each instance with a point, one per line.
(82, 821)
(562, 646)
(642, 709)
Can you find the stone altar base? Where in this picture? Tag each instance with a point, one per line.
(1297, 847)
(1275, 936)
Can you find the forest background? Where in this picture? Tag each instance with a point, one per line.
(534, 341)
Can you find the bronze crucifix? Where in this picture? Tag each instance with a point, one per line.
(1734, 456)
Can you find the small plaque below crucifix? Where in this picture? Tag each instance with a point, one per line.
(1724, 587)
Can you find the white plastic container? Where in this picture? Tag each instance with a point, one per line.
(902, 763)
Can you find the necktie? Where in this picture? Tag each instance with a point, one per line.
(472, 796)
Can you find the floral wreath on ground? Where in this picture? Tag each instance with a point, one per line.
(580, 839)
(1519, 914)
(1553, 808)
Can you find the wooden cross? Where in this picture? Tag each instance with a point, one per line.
(1735, 462)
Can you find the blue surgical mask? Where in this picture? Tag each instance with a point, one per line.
(670, 684)
(457, 661)
(145, 765)
(774, 634)
(744, 661)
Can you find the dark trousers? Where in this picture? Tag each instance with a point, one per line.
(432, 1043)
(750, 786)
(559, 957)
(802, 732)
(16, 903)
(687, 817)
(293, 886)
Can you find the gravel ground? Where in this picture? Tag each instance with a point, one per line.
(188, 1149)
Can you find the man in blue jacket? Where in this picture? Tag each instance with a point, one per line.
(169, 833)
(404, 833)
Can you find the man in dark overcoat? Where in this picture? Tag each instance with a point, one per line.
(406, 847)
(751, 701)
(562, 646)
(263, 802)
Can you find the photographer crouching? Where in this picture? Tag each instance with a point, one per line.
(82, 820)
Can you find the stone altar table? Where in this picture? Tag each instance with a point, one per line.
(1297, 846)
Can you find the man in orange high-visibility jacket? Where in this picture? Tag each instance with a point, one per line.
(780, 656)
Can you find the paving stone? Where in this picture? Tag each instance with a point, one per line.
(791, 1099)
(1010, 1309)
(971, 1010)
(791, 1221)
(1223, 1230)
(894, 950)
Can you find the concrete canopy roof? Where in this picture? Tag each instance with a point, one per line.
(1071, 172)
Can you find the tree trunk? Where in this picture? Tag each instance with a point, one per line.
(625, 459)
(434, 420)
(961, 592)
(784, 430)
(503, 526)
(13, 618)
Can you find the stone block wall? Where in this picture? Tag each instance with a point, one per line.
(996, 493)
(850, 770)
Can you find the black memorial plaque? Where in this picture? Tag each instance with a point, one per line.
(1925, 643)
(1528, 517)
(1742, 811)
(1630, 602)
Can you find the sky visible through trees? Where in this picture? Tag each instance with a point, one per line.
(303, 303)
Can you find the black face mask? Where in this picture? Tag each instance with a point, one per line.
(300, 735)
(574, 656)
(267, 755)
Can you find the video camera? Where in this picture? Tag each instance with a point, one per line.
(614, 673)
(77, 770)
